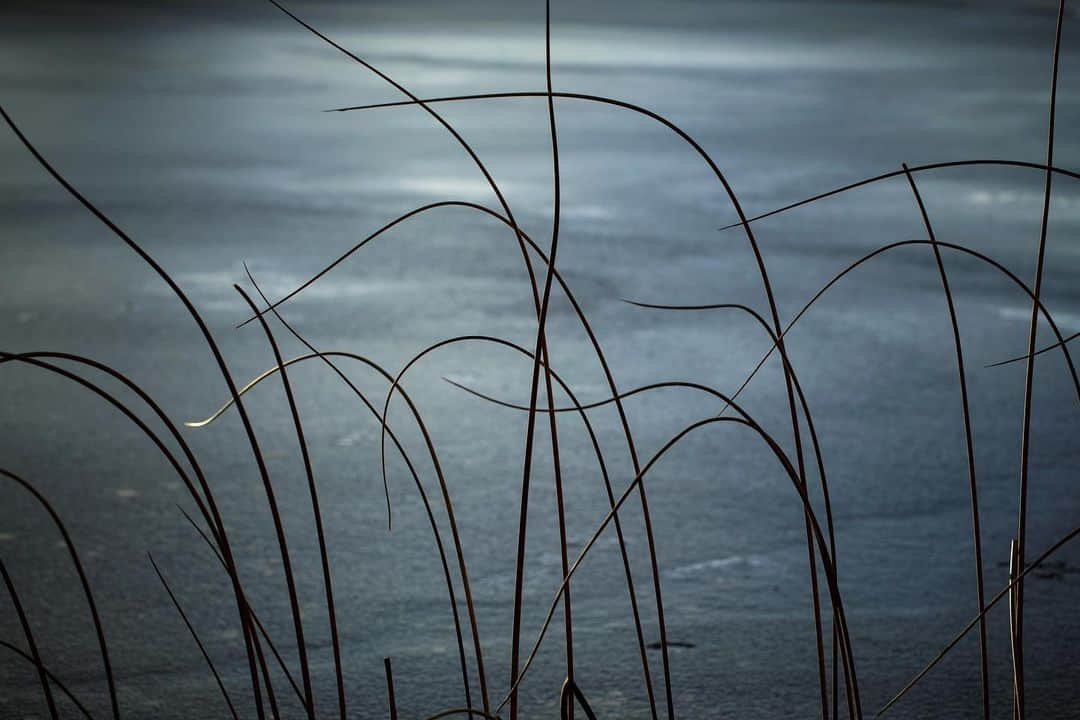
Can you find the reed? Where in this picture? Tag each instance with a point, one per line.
(797, 452)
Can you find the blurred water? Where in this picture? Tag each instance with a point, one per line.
(198, 129)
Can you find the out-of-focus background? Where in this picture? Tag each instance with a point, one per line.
(199, 129)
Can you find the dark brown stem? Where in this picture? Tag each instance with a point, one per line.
(52, 678)
(391, 703)
(28, 633)
(195, 637)
(80, 570)
(1029, 373)
(313, 492)
(969, 442)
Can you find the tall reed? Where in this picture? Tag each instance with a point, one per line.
(797, 452)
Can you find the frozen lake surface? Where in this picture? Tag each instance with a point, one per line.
(199, 131)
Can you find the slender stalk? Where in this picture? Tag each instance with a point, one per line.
(28, 633)
(313, 493)
(1029, 372)
(391, 703)
(195, 637)
(52, 678)
(87, 592)
(969, 443)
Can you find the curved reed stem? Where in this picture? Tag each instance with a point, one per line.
(313, 492)
(969, 442)
(81, 571)
(52, 678)
(1029, 373)
(853, 700)
(1005, 591)
(28, 633)
(872, 254)
(195, 637)
(254, 615)
(793, 462)
(1048, 348)
(827, 566)
(208, 338)
(576, 406)
(470, 605)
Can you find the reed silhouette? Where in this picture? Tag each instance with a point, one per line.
(797, 453)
